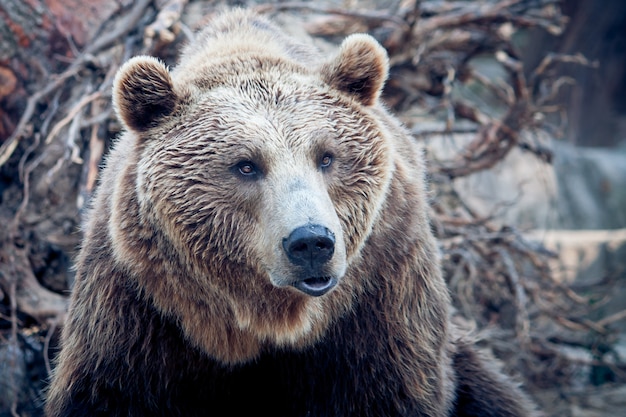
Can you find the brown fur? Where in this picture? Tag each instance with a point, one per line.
(184, 301)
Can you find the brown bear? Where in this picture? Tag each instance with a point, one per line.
(260, 244)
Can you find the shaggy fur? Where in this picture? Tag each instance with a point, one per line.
(186, 303)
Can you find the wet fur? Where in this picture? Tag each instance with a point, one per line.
(173, 312)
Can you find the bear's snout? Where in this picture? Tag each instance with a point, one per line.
(310, 247)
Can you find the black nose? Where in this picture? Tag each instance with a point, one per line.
(310, 246)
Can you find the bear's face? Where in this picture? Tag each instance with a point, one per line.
(265, 180)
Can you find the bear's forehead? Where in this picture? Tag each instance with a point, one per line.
(266, 105)
(291, 108)
(237, 122)
(250, 121)
(279, 89)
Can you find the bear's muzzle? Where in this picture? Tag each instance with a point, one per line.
(311, 247)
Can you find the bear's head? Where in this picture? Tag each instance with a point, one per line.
(260, 180)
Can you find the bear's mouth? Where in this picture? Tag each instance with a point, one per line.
(315, 286)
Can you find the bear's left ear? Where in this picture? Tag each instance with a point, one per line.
(360, 69)
(143, 93)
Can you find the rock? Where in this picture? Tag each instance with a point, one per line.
(519, 191)
(592, 187)
(592, 260)
(585, 188)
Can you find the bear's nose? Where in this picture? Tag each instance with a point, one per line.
(310, 246)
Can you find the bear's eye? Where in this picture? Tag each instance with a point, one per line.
(327, 159)
(247, 168)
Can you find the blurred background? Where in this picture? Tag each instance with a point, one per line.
(520, 106)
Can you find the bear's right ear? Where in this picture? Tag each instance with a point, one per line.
(143, 93)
